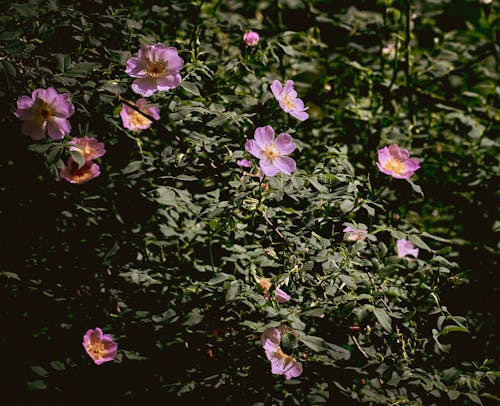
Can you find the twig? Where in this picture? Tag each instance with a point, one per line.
(359, 347)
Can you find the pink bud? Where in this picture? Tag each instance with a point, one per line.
(251, 38)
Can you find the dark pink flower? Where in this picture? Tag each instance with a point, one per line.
(90, 148)
(156, 68)
(281, 363)
(135, 121)
(45, 111)
(288, 100)
(355, 234)
(100, 347)
(251, 38)
(76, 175)
(244, 163)
(272, 152)
(396, 162)
(405, 248)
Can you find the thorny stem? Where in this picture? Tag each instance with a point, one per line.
(409, 90)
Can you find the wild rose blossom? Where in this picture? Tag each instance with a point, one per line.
(45, 111)
(396, 161)
(355, 234)
(405, 248)
(135, 121)
(100, 347)
(280, 295)
(281, 363)
(251, 38)
(272, 152)
(89, 147)
(156, 68)
(73, 174)
(288, 100)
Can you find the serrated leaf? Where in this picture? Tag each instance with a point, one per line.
(36, 385)
(78, 158)
(316, 344)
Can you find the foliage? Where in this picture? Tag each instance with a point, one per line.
(166, 247)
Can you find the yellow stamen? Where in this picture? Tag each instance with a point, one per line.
(156, 70)
(97, 349)
(42, 110)
(394, 165)
(271, 152)
(289, 101)
(137, 120)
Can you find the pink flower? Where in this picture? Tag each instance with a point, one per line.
(280, 295)
(244, 163)
(135, 121)
(45, 110)
(281, 363)
(396, 162)
(90, 148)
(76, 175)
(156, 68)
(251, 38)
(100, 347)
(405, 248)
(272, 152)
(288, 100)
(355, 234)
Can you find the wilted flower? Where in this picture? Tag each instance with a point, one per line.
(251, 38)
(272, 152)
(288, 100)
(244, 163)
(100, 347)
(389, 50)
(405, 248)
(90, 148)
(355, 234)
(280, 295)
(485, 1)
(73, 174)
(135, 121)
(45, 110)
(396, 162)
(156, 68)
(281, 363)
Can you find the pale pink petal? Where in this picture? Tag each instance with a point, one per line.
(285, 144)
(276, 88)
(399, 153)
(293, 370)
(269, 168)
(23, 103)
(264, 136)
(58, 127)
(169, 82)
(136, 68)
(301, 115)
(34, 129)
(284, 164)
(252, 147)
(144, 86)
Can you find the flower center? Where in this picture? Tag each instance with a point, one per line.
(395, 165)
(281, 355)
(137, 120)
(289, 101)
(271, 152)
(96, 349)
(43, 110)
(156, 70)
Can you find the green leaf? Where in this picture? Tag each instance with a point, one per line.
(416, 188)
(453, 394)
(191, 88)
(449, 329)
(58, 365)
(346, 206)
(78, 158)
(220, 277)
(383, 318)
(36, 385)
(40, 371)
(316, 344)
